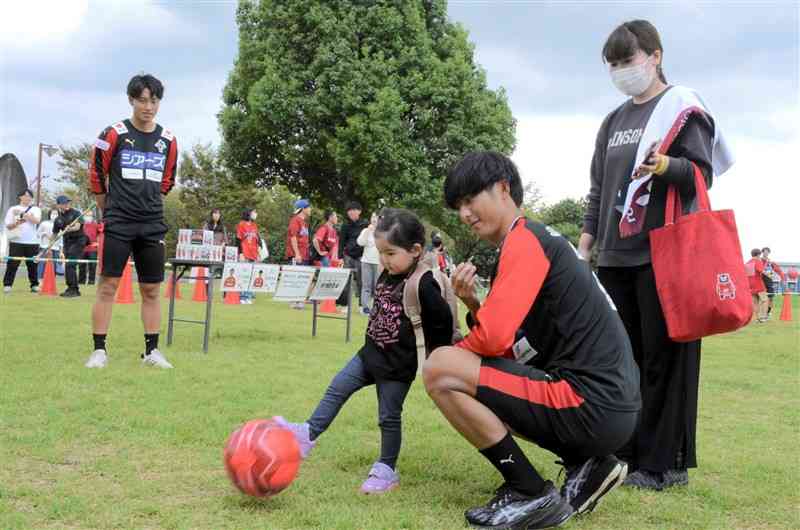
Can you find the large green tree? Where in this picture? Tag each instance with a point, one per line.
(358, 100)
(73, 176)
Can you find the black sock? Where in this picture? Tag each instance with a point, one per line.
(515, 467)
(150, 342)
(99, 341)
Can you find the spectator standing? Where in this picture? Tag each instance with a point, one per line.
(248, 242)
(215, 224)
(20, 223)
(70, 222)
(297, 244)
(755, 270)
(657, 138)
(370, 262)
(352, 251)
(89, 252)
(772, 275)
(326, 240)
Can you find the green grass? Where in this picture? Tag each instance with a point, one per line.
(131, 447)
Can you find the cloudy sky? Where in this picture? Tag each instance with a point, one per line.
(64, 66)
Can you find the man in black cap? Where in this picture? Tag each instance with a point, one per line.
(69, 220)
(352, 251)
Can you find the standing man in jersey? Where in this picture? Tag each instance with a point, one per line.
(547, 359)
(131, 169)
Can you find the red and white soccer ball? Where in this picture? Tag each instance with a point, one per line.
(262, 458)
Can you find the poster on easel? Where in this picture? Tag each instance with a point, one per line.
(236, 277)
(264, 278)
(294, 283)
(330, 283)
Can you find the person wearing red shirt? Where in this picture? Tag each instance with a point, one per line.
(248, 240)
(326, 240)
(793, 274)
(754, 269)
(297, 251)
(89, 251)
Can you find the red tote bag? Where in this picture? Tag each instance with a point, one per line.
(699, 270)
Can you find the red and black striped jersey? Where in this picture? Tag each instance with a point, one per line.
(547, 309)
(134, 169)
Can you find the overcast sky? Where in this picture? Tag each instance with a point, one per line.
(64, 66)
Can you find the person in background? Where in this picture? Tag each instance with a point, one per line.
(74, 241)
(793, 274)
(215, 224)
(297, 245)
(20, 222)
(754, 269)
(370, 264)
(45, 234)
(351, 250)
(439, 257)
(248, 241)
(326, 240)
(89, 252)
(773, 278)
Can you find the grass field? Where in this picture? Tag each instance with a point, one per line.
(132, 447)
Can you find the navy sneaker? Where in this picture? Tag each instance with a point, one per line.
(510, 509)
(587, 483)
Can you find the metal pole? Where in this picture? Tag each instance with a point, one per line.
(314, 319)
(173, 281)
(39, 180)
(349, 305)
(209, 299)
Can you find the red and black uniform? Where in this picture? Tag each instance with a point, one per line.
(133, 169)
(557, 363)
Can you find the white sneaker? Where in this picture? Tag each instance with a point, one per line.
(97, 359)
(156, 358)
(7, 289)
(35, 289)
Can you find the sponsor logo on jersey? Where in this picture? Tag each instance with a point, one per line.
(120, 128)
(130, 141)
(102, 144)
(160, 146)
(138, 164)
(167, 134)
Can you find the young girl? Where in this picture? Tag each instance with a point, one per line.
(388, 358)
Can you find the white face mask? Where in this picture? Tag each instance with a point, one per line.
(634, 80)
(253, 216)
(88, 219)
(53, 216)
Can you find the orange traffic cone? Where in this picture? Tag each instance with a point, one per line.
(49, 281)
(200, 285)
(168, 291)
(786, 310)
(125, 289)
(328, 306)
(232, 297)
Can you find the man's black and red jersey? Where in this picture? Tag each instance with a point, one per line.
(544, 293)
(134, 169)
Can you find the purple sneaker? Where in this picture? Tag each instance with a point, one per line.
(300, 431)
(381, 479)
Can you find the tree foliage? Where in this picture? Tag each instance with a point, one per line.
(358, 100)
(73, 174)
(565, 216)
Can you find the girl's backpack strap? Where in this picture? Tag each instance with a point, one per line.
(413, 309)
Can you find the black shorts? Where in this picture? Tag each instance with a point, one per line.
(144, 241)
(548, 411)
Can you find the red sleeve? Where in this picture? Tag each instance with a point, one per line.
(240, 231)
(294, 230)
(759, 266)
(100, 160)
(168, 178)
(778, 270)
(521, 272)
(321, 234)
